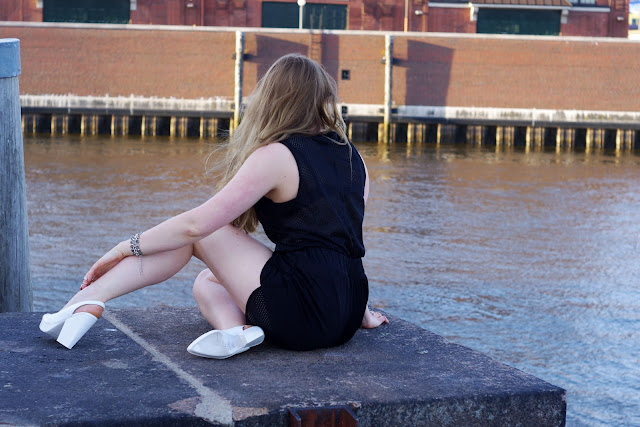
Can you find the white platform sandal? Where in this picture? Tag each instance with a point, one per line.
(220, 344)
(68, 327)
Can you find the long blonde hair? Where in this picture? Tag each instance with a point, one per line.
(295, 96)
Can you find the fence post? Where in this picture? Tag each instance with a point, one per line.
(237, 98)
(15, 280)
(388, 87)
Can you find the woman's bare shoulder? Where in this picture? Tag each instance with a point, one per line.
(273, 152)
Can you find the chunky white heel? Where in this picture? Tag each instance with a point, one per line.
(75, 327)
(220, 344)
(68, 327)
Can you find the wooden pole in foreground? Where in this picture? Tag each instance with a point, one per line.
(15, 280)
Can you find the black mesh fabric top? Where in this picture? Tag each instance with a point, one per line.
(329, 207)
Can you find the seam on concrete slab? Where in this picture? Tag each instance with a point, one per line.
(212, 407)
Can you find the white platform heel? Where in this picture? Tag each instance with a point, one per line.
(68, 327)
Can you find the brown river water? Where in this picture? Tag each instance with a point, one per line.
(530, 257)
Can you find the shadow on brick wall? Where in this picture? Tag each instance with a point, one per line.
(428, 73)
(269, 49)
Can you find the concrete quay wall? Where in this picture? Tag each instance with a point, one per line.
(132, 368)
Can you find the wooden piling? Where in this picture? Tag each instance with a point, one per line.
(411, 127)
(239, 69)
(388, 87)
(419, 136)
(172, 126)
(588, 143)
(213, 127)
(15, 278)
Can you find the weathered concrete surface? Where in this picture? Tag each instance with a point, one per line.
(104, 380)
(134, 369)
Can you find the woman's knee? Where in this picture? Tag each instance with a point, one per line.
(203, 284)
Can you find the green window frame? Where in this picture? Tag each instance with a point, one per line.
(518, 21)
(315, 15)
(91, 11)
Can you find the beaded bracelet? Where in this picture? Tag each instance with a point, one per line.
(135, 249)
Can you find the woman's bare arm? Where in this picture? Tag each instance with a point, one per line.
(263, 171)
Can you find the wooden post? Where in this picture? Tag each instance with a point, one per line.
(172, 126)
(589, 140)
(237, 98)
(388, 87)
(410, 132)
(619, 139)
(419, 133)
(15, 277)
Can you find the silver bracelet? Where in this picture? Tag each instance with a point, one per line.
(135, 249)
(135, 244)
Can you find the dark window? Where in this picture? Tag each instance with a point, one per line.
(98, 11)
(583, 2)
(534, 22)
(346, 74)
(280, 15)
(325, 16)
(316, 16)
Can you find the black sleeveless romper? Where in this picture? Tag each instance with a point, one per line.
(313, 290)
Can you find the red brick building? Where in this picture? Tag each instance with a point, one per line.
(598, 18)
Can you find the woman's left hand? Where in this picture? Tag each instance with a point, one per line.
(373, 319)
(104, 264)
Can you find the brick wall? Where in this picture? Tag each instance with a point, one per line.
(579, 22)
(469, 70)
(19, 10)
(376, 15)
(450, 20)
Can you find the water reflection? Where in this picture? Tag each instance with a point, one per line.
(530, 257)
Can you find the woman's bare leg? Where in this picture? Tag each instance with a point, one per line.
(235, 258)
(125, 277)
(215, 303)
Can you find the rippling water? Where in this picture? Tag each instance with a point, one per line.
(530, 257)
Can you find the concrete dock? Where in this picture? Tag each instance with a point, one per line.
(132, 368)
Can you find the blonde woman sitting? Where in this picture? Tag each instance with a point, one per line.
(289, 166)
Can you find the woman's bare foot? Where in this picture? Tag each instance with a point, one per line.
(373, 319)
